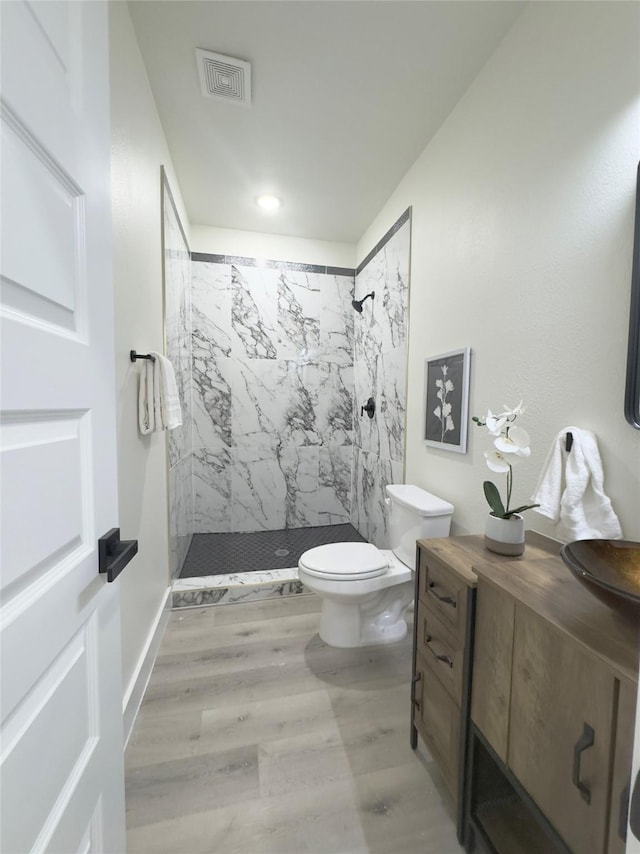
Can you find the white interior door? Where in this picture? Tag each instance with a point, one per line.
(61, 710)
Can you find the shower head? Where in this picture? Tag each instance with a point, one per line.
(357, 303)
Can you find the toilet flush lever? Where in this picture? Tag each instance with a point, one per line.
(369, 408)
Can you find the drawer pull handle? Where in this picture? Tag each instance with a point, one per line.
(585, 741)
(446, 599)
(444, 658)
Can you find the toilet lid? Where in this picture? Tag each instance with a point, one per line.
(344, 561)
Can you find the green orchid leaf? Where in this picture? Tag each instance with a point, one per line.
(523, 508)
(493, 499)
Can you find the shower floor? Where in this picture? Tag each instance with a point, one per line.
(222, 554)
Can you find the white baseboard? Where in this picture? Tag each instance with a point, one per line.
(138, 684)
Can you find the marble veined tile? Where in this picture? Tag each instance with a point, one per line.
(334, 410)
(299, 316)
(258, 576)
(256, 405)
(211, 321)
(298, 386)
(365, 488)
(180, 512)
(211, 399)
(210, 279)
(236, 594)
(259, 489)
(212, 471)
(337, 319)
(367, 430)
(254, 313)
(334, 484)
(391, 398)
(369, 513)
(299, 466)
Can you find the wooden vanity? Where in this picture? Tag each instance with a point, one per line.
(524, 691)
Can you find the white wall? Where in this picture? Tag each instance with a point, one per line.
(522, 240)
(271, 247)
(138, 150)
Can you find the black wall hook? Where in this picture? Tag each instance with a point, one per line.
(568, 441)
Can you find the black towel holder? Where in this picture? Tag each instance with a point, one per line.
(568, 441)
(134, 356)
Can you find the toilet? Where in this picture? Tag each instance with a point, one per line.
(365, 591)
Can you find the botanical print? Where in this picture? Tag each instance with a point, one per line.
(446, 400)
(443, 409)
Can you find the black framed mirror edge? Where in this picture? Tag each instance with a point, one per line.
(632, 389)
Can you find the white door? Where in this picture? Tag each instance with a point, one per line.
(61, 710)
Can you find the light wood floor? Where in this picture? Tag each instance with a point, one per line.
(256, 738)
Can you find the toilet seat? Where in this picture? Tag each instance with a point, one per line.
(344, 561)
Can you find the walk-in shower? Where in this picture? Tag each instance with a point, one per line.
(271, 366)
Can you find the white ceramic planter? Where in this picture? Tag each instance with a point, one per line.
(505, 536)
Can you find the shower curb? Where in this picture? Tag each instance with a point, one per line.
(236, 588)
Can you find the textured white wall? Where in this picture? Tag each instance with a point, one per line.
(522, 240)
(138, 150)
(271, 247)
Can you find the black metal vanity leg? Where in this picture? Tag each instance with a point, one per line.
(413, 740)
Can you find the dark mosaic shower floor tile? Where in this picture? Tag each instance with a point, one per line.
(220, 554)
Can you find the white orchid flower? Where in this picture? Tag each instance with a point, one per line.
(512, 413)
(449, 386)
(497, 461)
(450, 425)
(495, 423)
(515, 441)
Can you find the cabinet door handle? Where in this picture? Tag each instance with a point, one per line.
(445, 658)
(446, 599)
(585, 741)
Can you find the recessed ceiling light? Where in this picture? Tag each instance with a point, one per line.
(268, 202)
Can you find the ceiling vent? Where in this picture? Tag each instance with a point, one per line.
(223, 77)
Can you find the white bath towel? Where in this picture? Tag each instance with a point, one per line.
(158, 398)
(571, 489)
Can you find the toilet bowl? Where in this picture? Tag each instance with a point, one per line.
(365, 591)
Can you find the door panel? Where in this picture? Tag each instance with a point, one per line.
(61, 691)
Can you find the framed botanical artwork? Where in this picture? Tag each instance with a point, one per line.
(447, 400)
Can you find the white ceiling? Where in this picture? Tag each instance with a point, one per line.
(346, 95)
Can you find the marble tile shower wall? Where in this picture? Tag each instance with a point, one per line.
(380, 371)
(272, 393)
(177, 278)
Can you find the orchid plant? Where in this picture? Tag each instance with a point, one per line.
(510, 444)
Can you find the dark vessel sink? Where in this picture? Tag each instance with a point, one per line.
(610, 569)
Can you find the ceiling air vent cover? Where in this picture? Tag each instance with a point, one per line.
(223, 77)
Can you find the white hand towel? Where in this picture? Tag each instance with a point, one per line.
(171, 411)
(146, 415)
(158, 398)
(571, 489)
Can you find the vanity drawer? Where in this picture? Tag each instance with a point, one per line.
(441, 647)
(442, 589)
(437, 719)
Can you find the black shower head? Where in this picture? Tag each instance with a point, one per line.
(357, 303)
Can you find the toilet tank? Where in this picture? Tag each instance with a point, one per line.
(415, 514)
